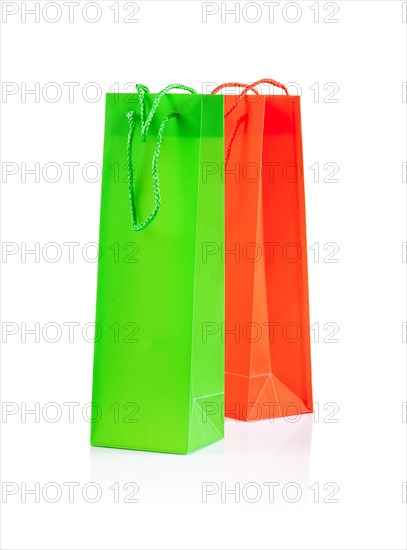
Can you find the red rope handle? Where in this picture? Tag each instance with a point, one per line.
(243, 118)
(231, 85)
(266, 81)
(239, 121)
(248, 88)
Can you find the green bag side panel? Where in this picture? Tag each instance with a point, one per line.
(207, 421)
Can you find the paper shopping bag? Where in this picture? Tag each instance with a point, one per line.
(156, 384)
(267, 343)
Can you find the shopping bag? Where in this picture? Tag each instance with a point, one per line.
(267, 343)
(157, 385)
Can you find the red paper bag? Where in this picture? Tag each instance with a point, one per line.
(267, 332)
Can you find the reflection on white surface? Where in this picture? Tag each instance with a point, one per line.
(276, 450)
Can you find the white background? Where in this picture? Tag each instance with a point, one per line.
(358, 441)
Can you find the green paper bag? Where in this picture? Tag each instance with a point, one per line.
(158, 383)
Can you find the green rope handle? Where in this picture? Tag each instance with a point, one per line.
(145, 125)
